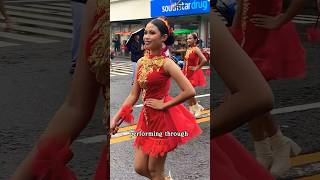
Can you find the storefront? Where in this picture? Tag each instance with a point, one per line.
(130, 15)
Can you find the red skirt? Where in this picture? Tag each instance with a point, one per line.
(162, 131)
(277, 53)
(231, 161)
(197, 78)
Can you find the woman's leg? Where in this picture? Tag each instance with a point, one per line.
(262, 126)
(156, 167)
(261, 142)
(141, 163)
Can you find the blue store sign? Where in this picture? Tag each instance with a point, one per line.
(185, 7)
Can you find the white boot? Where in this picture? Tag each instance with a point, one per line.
(200, 107)
(191, 109)
(197, 110)
(282, 148)
(168, 177)
(263, 152)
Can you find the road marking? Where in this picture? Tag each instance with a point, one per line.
(48, 12)
(42, 23)
(305, 159)
(115, 73)
(297, 108)
(122, 71)
(48, 7)
(126, 68)
(302, 22)
(61, 4)
(306, 18)
(43, 17)
(5, 44)
(26, 38)
(40, 31)
(315, 177)
(306, 15)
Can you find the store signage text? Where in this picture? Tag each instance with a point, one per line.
(184, 7)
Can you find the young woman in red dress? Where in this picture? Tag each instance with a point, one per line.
(250, 96)
(271, 41)
(194, 61)
(164, 122)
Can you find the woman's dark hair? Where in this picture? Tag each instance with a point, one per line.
(195, 36)
(165, 28)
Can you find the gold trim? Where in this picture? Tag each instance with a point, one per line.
(148, 66)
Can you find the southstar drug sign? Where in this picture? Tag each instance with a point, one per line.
(185, 7)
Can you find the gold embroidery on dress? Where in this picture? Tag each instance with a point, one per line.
(186, 58)
(98, 56)
(244, 19)
(148, 66)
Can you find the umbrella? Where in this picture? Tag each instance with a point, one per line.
(183, 31)
(139, 32)
(227, 9)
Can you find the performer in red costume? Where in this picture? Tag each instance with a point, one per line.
(194, 60)
(164, 122)
(250, 95)
(271, 41)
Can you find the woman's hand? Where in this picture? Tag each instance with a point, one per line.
(157, 104)
(267, 22)
(114, 126)
(193, 68)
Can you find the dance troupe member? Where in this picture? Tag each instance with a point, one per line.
(160, 113)
(271, 41)
(47, 160)
(229, 160)
(194, 61)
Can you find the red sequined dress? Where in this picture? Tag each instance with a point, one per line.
(161, 131)
(197, 77)
(278, 53)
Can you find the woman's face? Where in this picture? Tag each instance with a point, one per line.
(190, 40)
(152, 37)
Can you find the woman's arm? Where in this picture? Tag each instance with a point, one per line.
(251, 95)
(129, 102)
(292, 11)
(202, 58)
(270, 22)
(184, 84)
(79, 105)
